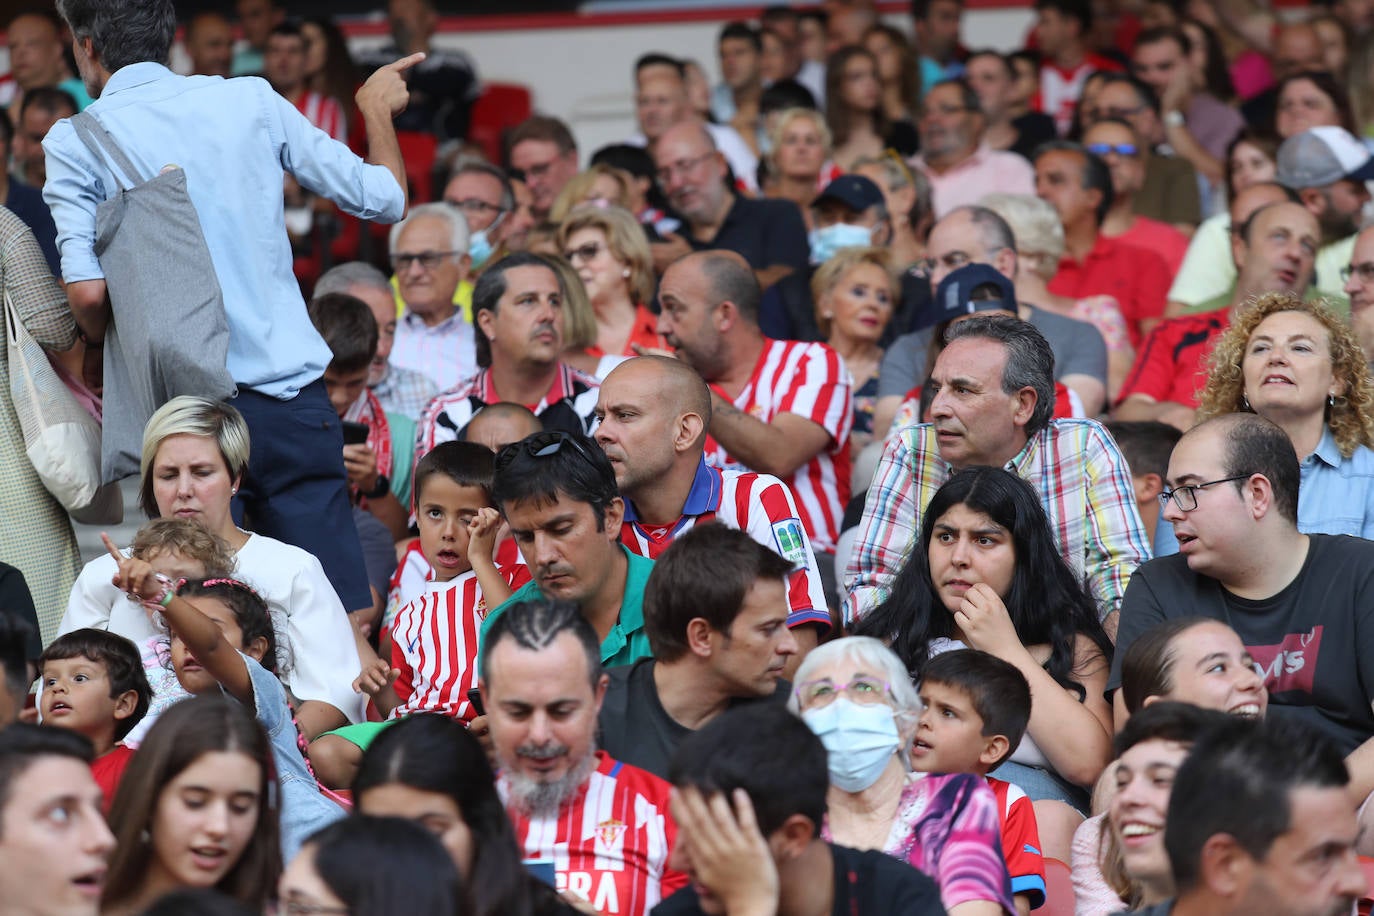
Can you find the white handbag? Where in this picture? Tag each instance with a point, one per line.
(61, 438)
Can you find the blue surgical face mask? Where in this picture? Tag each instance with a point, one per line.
(827, 242)
(859, 740)
(479, 248)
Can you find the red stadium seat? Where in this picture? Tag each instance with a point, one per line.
(500, 107)
(1059, 899)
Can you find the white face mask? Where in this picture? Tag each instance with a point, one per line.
(859, 740)
(830, 240)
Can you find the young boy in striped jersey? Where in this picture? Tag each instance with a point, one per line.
(976, 710)
(434, 637)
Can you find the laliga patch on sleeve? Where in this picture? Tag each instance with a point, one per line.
(791, 541)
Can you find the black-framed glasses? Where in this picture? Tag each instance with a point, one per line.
(1185, 497)
(475, 206)
(542, 445)
(583, 253)
(1364, 270)
(426, 259)
(1121, 149)
(682, 166)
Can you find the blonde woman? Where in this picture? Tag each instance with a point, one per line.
(1299, 365)
(1039, 247)
(855, 294)
(799, 165)
(608, 249)
(603, 185)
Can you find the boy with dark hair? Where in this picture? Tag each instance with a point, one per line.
(715, 611)
(976, 710)
(93, 684)
(750, 799)
(15, 672)
(432, 665)
(378, 466)
(1147, 445)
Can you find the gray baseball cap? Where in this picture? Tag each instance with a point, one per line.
(1322, 156)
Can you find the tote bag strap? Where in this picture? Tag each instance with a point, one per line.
(99, 142)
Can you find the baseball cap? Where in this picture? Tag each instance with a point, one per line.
(854, 191)
(954, 295)
(1321, 156)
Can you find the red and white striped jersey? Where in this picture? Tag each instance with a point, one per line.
(610, 843)
(762, 507)
(434, 646)
(569, 405)
(325, 113)
(810, 380)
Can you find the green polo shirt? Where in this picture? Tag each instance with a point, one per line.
(627, 642)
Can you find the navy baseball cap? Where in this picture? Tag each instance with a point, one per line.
(954, 295)
(854, 191)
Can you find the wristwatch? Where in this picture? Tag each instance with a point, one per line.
(1174, 119)
(380, 490)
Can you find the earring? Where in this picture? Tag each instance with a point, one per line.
(233, 490)
(827, 315)
(625, 273)
(1330, 400)
(1245, 402)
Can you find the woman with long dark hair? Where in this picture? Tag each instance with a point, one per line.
(986, 574)
(197, 807)
(428, 769)
(854, 109)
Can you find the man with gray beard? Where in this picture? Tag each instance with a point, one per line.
(602, 824)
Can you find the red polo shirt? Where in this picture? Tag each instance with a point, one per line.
(1172, 366)
(1137, 278)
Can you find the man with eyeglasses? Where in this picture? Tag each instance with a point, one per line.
(960, 166)
(1328, 167)
(543, 151)
(485, 196)
(1078, 185)
(1172, 192)
(517, 308)
(1301, 603)
(768, 233)
(1274, 252)
(429, 255)
(1359, 286)
(1118, 145)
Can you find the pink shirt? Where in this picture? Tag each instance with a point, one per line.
(985, 172)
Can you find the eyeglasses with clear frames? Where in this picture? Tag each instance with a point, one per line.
(1363, 270)
(682, 166)
(1185, 497)
(582, 253)
(426, 259)
(863, 690)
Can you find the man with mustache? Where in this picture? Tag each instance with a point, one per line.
(517, 308)
(558, 495)
(602, 824)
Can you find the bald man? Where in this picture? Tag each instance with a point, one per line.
(654, 413)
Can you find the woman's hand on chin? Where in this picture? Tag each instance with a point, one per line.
(985, 621)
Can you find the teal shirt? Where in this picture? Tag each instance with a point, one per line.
(627, 642)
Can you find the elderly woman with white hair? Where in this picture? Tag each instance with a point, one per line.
(1039, 248)
(858, 698)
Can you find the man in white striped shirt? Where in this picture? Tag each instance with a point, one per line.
(780, 407)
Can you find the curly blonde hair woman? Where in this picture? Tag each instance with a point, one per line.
(1298, 364)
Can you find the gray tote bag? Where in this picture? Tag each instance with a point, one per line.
(168, 335)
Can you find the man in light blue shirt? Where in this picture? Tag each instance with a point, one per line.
(235, 139)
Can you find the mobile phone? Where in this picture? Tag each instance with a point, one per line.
(475, 700)
(355, 433)
(543, 869)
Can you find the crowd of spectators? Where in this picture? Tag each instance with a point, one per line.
(904, 477)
